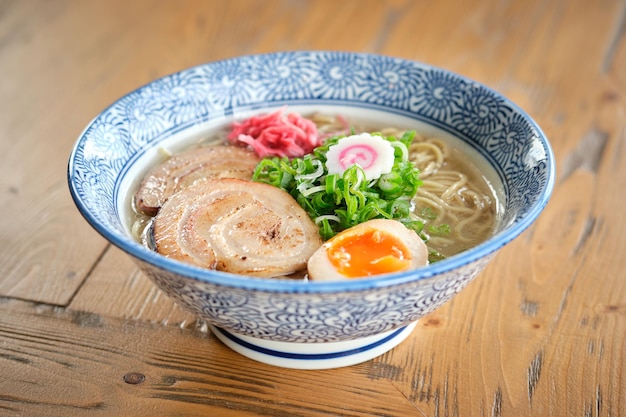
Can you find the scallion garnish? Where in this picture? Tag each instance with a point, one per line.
(342, 200)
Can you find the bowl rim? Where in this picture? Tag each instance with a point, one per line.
(225, 279)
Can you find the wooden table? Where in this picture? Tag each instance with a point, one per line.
(541, 332)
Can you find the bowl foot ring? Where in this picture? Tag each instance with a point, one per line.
(313, 355)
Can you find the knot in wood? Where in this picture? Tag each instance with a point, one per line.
(134, 378)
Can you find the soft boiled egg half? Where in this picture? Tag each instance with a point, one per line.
(375, 247)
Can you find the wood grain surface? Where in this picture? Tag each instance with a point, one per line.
(542, 332)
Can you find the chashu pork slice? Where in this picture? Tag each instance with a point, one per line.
(236, 226)
(183, 169)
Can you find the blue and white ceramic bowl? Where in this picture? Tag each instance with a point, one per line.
(295, 323)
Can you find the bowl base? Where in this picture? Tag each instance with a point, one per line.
(313, 355)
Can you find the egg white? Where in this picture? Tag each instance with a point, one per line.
(320, 267)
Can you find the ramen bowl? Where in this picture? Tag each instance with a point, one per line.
(298, 323)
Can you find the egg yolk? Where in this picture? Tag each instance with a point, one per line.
(366, 253)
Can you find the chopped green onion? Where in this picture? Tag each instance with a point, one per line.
(441, 230)
(339, 201)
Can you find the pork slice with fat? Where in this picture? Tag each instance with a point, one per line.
(236, 226)
(183, 169)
